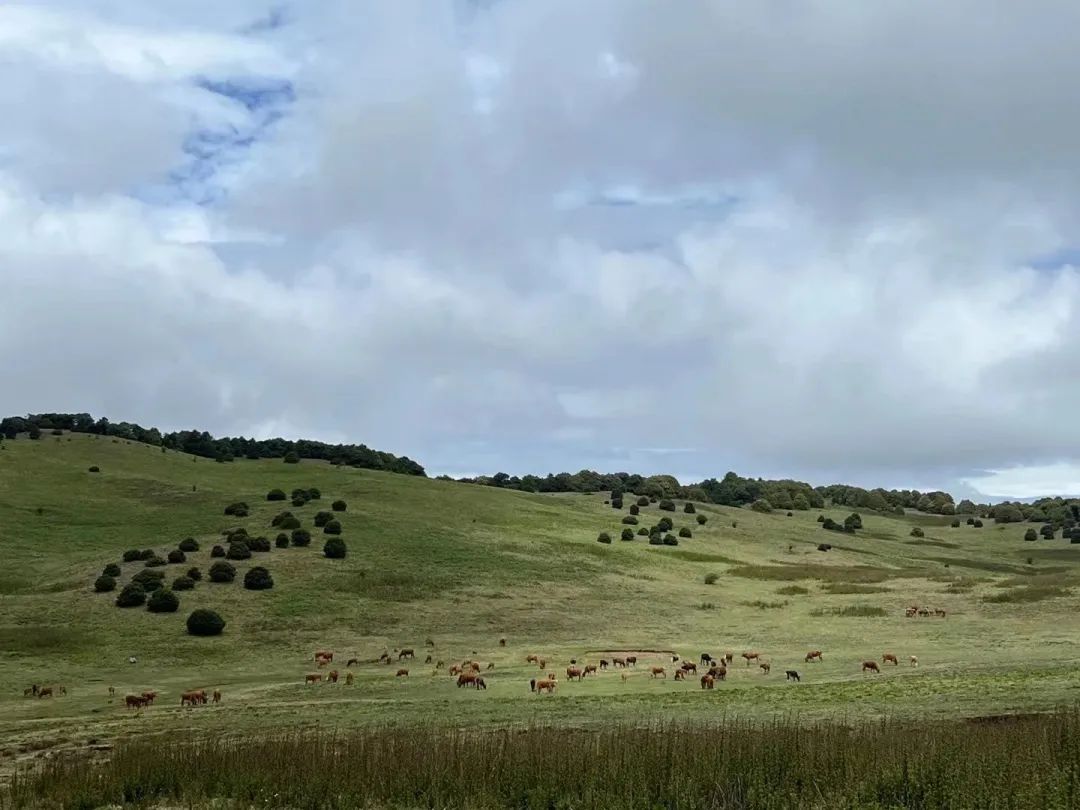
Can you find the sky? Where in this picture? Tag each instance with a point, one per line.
(825, 240)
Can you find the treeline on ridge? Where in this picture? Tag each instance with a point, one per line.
(201, 443)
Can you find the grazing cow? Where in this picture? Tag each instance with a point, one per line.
(532, 684)
(706, 659)
(455, 669)
(491, 666)
(623, 677)
(112, 691)
(870, 666)
(481, 684)
(429, 642)
(428, 660)
(765, 667)
(924, 612)
(402, 673)
(674, 659)
(46, 691)
(939, 612)
(313, 678)
(349, 677)
(631, 660)
(35, 689)
(729, 657)
(751, 656)
(813, 655)
(911, 611)
(546, 685)
(689, 666)
(467, 679)
(62, 689)
(889, 658)
(197, 696)
(531, 659)
(28, 691)
(502, 642)
(332, 676)
(322, 662)
(406, 654)
(475, 666)
(707, 681)
(384, 658)
(542, 663)
(217, 696)
(619, 662)
(657, 672)
(329, 656)
(718, 673)
(352, 661)
(680, 674)
(914, 661)
(149, 696)
(440, 664)
(603, 663)
(135, 702)
(590, 669)
(792, 675)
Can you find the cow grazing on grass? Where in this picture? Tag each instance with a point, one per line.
(792, 675)
(765, 667)
(546, 685)
(149, 696)
(352, 662)
(429, 642)
(217, 696)
(135, 702)
(502, 642)
(889, 658)
(680, 674)
(406, 654)
(718, 673)
(542, 663)
(631, 660)
(402, 673)
(332, 676)
(706, 659)
(428, 660)
(674, 659)
(531, 659)
(707, 681)
(313, 678)
(474, 666)
(688, 666)
(619, 662)
(322, 662)
(532, 684)
(349, 678)
(870, 666)
(603, 663)
(729, 657)
(751, 656)
(46, 691)
(467, 679)
(657, 672)
(198, 696)
(590, 669)
(911, 611)
(329, 656)
(914, 661)
(939, 612)
(455, 669)
(481, 684)
(490, 666)
(813, 655)
(440, 664)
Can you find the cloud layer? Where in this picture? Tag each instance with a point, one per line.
(823, 242)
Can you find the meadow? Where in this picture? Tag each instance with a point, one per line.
(465, 566)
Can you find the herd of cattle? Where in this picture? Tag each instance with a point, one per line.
(917, 610)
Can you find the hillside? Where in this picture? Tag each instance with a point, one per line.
(467, 565)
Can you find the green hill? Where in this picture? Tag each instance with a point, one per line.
(464, 566)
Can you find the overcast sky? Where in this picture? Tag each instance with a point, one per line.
(829, 240)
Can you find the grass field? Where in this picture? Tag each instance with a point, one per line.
(464, 566)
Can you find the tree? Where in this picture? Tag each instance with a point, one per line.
(291, 457)
(630, 520)
(965, 507)
(1047, 531)
(335, 548)
(163, 601)
(688, 508)
(667, 505)
(1031, 535)
(685, 532)
(111, 570)
(131, 596)
(183, 584)
(275, 495)
(105, 583)
(222, 571)
(917, 532)
(204, 622)
(258, 579)
(800, 502)
(762, 505)
(189, 544)
(853, 522)
(301, 538)
(333, 527)
(339, 506)
(238, 551)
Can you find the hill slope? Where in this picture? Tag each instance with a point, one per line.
(464, 566)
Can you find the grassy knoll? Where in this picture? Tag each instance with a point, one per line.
(465, 566)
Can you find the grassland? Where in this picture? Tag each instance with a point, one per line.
(465, 566)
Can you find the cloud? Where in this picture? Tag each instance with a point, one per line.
(801, 242)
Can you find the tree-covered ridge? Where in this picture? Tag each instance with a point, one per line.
(201, 443)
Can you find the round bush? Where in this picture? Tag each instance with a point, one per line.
(238, 551)
(955, 524)
(761, 505)
(147, 554)
(339, 506)
(334, 548)
(333, 527)
(217, 551)
(978, 524)
(289, 523)
(238, 509)
(917, 532)
(132, 554)
(970, 521)
(299, 501)
(630, 520)
(189, 544)
(314, 494)
(183, 584)
(688, 508)
(111, 570)
(789, 514)
(1031, 535)
(656, 540)
(685, 532)
(222, 571)
(258, 579)
(282, 540)
(279, 517)
(204, 622)
(667, 505)
(177, 556)
(163, 601)
(156, 562)
(603, 537)
(670, 540)
(652, 499)
(301, 537)
(237, 533)
(643, 532)
(701, 519)
(635, 509)
(710, 579)
(258, 544)
(322, 518)
(820, 518)
(194, 573)
(105, 583)
(627, 534)
(291, 458)
(1047, 531)
(665, 524)
(617, 503)
(642, 501)
(94, 469)
(131, 596)
(275, 495)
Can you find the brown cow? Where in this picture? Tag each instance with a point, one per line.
(870, 666)
(217, 696)
(707, 681)
(502, 642)
(467, 679)
(352, 661)
(914, 661)
(428, 660)
(603, 663)
(440, 664)
(718, 673)
(406, 654)
(532, 684)
(149, 696)
(889, 657)
(573, 673)
(813, 655)
(765, 667)
(475, 665)
(322, 662)
(332, 676)
(656, 672)
(481, 684)
(542, 663)
(751, 656)
(329, 656)
(313, 678)
(46, 691)
(911, 611)
(631, 660)
(134, 702)
(729, 657)
(688, 666)
(680, 674)
(531, 659)
(197, 696)
(455, 669)
(546, 684)
(402, 673)
(490, 666)
(590, 669)
(619, 662)
(939, 612)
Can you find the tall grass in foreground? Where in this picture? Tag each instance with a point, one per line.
(1020, 763)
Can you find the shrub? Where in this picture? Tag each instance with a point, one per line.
(322, 518)
(259, 543)
(955, 524)
(789, 514)
(665, 524)
(656, 540)
(279, 518)
(333, 527)
(339, 506)
(854, 520)
(820, 518)
(670, 540)
(238, 509)
(299, 501)
(823, 547)
(761, 505)
(131, 596)
(94, 469)
(105, 583)
(275, 495)
(334, 548)
(238, 551)
(163, 601)
(258, 579)
(204, 622)
(689, 508)
(282, 540)
(194, 573)
(314, 494)
(291, 458)
(667, 505)
(289, 523)
(710, 579)
(617, 504)
(1031, 535)
(235, 533)
(149, 580)
(183, 584)
(627, 534)
(301, 537)
(189, 544)
(147, 554)
(642, 501)
(1047, 532)
(970, 521)
(978, 524)
(217, 551)
(635, 509)
(630, 520)
(917, 532)
(177, 556)
(222, 571)
(156, 562)
(652, 499)
(111, 570)
(701, 519)
(831, 525)
(685, 532)
(132, 554)
(603, 537)
(643, 532)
